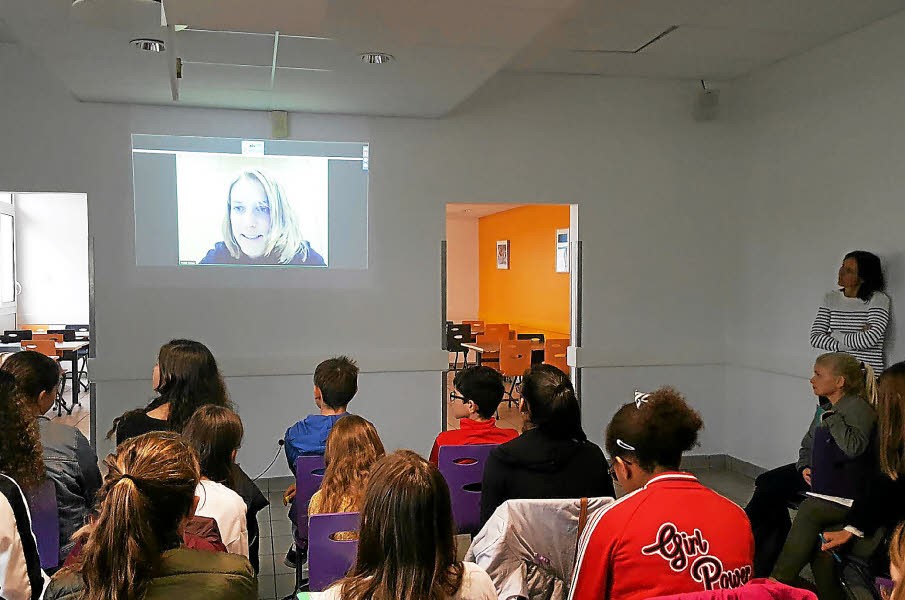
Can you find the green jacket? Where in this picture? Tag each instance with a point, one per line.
(185, 575)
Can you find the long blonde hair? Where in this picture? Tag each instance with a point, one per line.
(860, 380)
(147, 493)
(891, 420)
(285, 238)
(897, 558)
(353, 447)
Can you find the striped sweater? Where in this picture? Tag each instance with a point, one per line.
(854, 326)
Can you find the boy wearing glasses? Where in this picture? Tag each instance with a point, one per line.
(476, 394)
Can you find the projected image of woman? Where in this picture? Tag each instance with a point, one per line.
(260, 227)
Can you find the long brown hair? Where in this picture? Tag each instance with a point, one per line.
(406, 546)
(353, 447)
(189, 379)
(215, 432)
(21, 454)
(34, 372)
(891, 420)
(897, 559)
(860, 380)
(147, 493)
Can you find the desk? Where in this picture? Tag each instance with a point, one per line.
(69, 351)
(491, 347)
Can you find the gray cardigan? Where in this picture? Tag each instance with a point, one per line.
(71, 464)
(850, 423)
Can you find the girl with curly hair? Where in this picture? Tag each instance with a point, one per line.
(353, 447)
(21, 463)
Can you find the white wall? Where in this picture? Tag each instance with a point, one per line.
(52, 258)
(818, 173)
(626, 151)
(462, 271)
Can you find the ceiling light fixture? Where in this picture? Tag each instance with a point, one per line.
(376, 58)
(148, 45)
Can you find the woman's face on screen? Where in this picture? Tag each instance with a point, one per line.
(249, 216)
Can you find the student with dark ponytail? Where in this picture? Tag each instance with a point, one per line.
(134, 550)
(669, 534)
(553, 457)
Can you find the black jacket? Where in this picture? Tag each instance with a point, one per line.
(537, 466)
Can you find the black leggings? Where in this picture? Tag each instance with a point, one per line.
(768, 512)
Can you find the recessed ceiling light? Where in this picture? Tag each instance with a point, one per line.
(149, 45)
(376, 58)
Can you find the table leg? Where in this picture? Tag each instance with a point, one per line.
(75, 378)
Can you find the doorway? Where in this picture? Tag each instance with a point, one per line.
(509, 274)
(44, 290)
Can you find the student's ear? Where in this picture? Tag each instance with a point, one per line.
(45, 400)
(233, 455)
(318, 396)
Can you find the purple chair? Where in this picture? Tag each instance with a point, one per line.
(463, 469)
(309, 473)
(329, 560)
(45, 522)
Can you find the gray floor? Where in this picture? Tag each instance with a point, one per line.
(276, 580)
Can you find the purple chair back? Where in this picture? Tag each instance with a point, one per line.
(45, 522)
(309, 473)
(329, 560)
(463, 469)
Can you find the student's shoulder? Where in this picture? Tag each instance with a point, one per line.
(219, 254)
(476, 583)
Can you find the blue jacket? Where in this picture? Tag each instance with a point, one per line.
(309, 436)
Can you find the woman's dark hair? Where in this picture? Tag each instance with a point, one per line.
(21, 455)
(189, 379)
(406, 547)
(655, 430)
(148, 491)
(483, 386)
(870, 271)
(891, 420)
(34, 372)
(552, 405)
(215, 432)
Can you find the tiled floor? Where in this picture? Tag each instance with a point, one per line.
(81, 413)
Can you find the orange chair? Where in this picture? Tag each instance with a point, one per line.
(515, 359)
(497, 331)
(476, 326)
(555, 354)
(488, 359)
(46, 347)
(53, 337)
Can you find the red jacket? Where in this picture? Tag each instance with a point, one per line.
(472, 432)
(671, 536)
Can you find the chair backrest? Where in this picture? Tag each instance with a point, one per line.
(309, 474)
(47, 347)
(68, 334)
(534, 337)
(515, 357)
(330, 559)
(45, 522)
(463, 469)
(476, 326)
(53, 337)
(456, 335)
(21, 334)
(497, 331)
(77, 327)
(36, 328)
(555, 354)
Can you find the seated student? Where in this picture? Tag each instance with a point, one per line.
(215, 432)
(353, 447)
(877, 508)
(669, 534)
(21, 577)
(407, 545)
(69, 460)
(553, 457)
(185, 377)
(842, 428)
(477, 392)
(843, 459)
(134, 548)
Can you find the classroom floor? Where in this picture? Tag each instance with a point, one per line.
(81, 413)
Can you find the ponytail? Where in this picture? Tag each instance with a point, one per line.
(148, 491)
(552, 405)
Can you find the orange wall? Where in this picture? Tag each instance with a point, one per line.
(530, 295)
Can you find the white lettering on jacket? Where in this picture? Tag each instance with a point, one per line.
(679, 549)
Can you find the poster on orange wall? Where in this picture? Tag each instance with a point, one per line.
(502, 254)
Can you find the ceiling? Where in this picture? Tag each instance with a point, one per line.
(303, 55)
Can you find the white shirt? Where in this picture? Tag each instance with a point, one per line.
(227, 508)
(476, 585)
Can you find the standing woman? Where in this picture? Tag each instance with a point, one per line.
(853, 319)
(21, 463)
